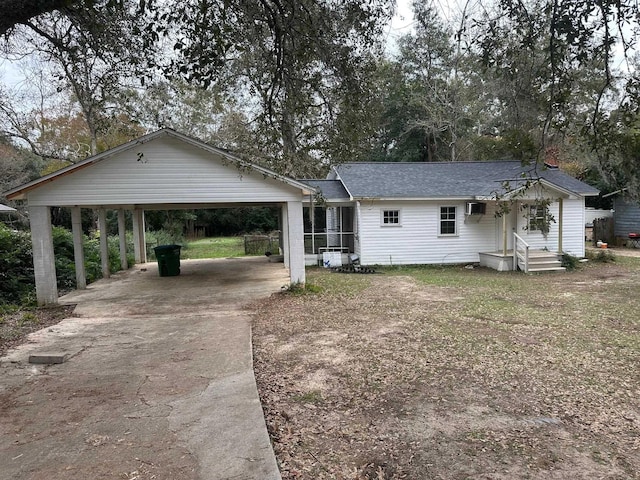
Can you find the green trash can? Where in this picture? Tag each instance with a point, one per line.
(168, 257)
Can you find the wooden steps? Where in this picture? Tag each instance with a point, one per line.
(543, 261)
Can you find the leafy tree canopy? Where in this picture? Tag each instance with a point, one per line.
(306, 83)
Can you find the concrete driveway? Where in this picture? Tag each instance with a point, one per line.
(159, 383)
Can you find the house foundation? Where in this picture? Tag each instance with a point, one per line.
(497, 260)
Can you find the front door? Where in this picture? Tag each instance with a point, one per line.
(506, 224)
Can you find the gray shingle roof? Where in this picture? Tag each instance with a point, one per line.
(448, 180)
(330, 189)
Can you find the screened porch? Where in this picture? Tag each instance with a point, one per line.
(328, 229)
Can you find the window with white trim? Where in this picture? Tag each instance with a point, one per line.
(448, 223)
(536, 218)
(390, 218)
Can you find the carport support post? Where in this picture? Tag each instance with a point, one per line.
(295, 228)
(104, 247)
(44, 264)
(122, 233)
(285, 234)
(139, 241)
(78, 247)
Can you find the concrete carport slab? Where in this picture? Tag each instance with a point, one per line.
(159, 383)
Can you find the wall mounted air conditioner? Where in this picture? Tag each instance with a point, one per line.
(476, 208)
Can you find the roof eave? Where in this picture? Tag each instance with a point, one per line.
(569, 193)
(19, 193)
(307, 189)
(333, 201)
(412, 199)
(546, 183)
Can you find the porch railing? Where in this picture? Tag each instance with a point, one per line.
(520, 253)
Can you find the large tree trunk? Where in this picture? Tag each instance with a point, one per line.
(289, 139)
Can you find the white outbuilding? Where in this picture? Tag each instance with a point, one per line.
(164, 170)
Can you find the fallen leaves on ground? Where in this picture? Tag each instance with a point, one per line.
(454, 373)
(17, 325)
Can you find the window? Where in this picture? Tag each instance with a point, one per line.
(391, 217)
(537, 218)
(448, 221)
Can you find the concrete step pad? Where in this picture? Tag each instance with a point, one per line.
(49, 358)
(546, 269)
(545, 263)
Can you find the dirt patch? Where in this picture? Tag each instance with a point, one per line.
(164, 394)
(72, 440)
(16, 326)
(460, 374)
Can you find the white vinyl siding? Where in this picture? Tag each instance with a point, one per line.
(535, 238)
(356, 230)
(164, 170)
(573, 228)
(418, 241)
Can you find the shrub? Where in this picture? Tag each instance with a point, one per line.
(570, 262)
(17, 284)
(93, 262)
(113, 244)
(16, 266)
(65, 264)
(602, 255)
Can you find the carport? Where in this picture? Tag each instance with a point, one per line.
(164, 170)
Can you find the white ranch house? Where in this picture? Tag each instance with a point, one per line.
(439, 213)
(377, 213)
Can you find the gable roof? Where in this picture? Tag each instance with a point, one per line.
(20, 192)
(449, 179)
(332, 190)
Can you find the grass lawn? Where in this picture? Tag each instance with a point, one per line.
(215, 247)
(449, 373)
